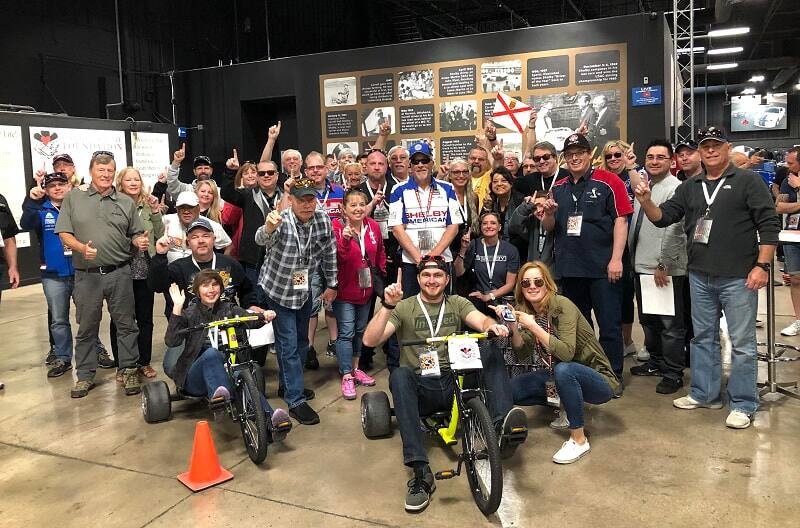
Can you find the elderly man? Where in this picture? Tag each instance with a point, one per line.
(730, 219)
(201, 167)
(605, 125)
(398, 163)
(101, 226)
(298, 240)
(175, 226)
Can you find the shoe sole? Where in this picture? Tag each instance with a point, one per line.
(515, 427)
(559, 427)
(349, 397)
(366, 384)
(50, 374)
(698, 406)
(669, 391)
(421, 507)
(788, 335)
(574, 459)
(648, 373)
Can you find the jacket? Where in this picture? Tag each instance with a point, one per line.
(349, 260)
(153, 224)
(524, 224)
(193, 315)
(41, 217)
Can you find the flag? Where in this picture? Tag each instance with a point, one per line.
(510, 113)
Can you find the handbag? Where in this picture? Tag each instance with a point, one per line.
(378, 278)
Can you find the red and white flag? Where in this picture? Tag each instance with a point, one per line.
(510, 113)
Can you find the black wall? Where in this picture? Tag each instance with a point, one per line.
(216, 97)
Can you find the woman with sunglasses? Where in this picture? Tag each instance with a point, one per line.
(619, 158)
(492, 262)
(576, 371)
(231, 215)
(457, 173)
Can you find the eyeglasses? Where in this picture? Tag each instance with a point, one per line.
(575, 154)
(538, 282)
(529, 166)
(456, 172)
(315, 167)
(545, 157)
(102, 153)
(613, 155)
(420, 161)
(267, 173)
(660, 157)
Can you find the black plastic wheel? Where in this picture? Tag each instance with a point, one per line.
(482, 457)
(261, 382)
(376, 414)
(252, 419)
(156, 405)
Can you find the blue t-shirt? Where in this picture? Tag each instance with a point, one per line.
(507, 262)
(791, 223)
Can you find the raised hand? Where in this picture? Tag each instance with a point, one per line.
(347, 232)
(179, 155)
(177, 295)
(490, 131)
(393, 293)
(89, 252)
(273, 221)
(37, 193)
(532, 118)
(385, 128)
(274, 131)
(642, 190)
(142, 242)
(154, 204)
(288, 185)
(162, 245)
(444, 168)
(630, 158)
(549, 207)
(162, 176)
(233, 161)
(498, 152)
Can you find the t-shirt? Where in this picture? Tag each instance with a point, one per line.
(8, 226)
(410, 324)
(536, 181)
(507, 262)
(792, 220)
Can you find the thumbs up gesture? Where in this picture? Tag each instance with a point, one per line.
(233, 161)
(273, 221)
(179, 155)
(89, 252)
(142, 242)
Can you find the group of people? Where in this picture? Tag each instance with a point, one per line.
(405, 250)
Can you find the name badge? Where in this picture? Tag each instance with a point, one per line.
(429, 363)
(702, 231)
(364, 277)
(300, 279)
(574, 224)
(67, 252)
(425, 240)
(792, 221)
(553, 399)
(384, 225)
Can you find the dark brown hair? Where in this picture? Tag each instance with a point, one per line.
(204, 277)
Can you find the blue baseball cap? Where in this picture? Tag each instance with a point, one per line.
(420, 147)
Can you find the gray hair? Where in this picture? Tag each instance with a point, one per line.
(345, 152)
(458, 161)
(395, 149)
(544, 145)
(290, 151)
(102, 159)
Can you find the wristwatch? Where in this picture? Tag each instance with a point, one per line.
(763, 265)
(661, 267)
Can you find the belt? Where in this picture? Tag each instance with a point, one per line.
(103, 270)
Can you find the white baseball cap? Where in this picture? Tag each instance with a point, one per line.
(187, 198)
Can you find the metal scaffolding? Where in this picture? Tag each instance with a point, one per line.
(683, 55)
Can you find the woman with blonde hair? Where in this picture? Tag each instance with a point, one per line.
(576, 370)
(352, 176)
(208, 195)
(246, 177)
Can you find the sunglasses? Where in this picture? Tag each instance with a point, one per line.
(431, 258)
(545, 157)
(613, 155)
(420, 161)
(538, 282)
(102, 153)
(267, 173)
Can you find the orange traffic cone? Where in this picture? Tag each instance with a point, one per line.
(204, 469)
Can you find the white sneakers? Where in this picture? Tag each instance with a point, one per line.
(791, 330)
(737, 420)
(687, 402)
(571, 451)
(643, 354)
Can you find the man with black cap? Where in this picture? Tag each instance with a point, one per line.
(201, 167)
(732, 226)
(424, 381)
(688, 160)
(297, 240)
(588, 214)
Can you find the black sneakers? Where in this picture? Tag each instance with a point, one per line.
(304, 414)
(104, 361)
(645, 370)
(51, 357)
(420, 489)
(312, 363)
(59, 368)
(308, 394)
(669, 385)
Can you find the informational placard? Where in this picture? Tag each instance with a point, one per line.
(450, 102)
(646, 95)
(150, 153)
(80, 143)
(12, 167)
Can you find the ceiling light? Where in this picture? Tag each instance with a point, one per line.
(728, 32)
(722, 66)
(696, 49)
(723, 51)
(797, 86)
(748, 91)
(756, 78)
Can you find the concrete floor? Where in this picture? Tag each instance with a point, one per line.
(96, 462)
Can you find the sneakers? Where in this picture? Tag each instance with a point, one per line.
(81, 388)
(687, 402)
(281, 424)
(304, 414)
(645, 370)
(643, 354)
(349, 387)
(308, 394)
(59, 368)
(221, 392)
(312, 363)
(104, 361)
(420, 489)
(791, 330)
(669, 385)
(130, 380)
(51, 357)
(363, 379)
(737, 420)
(561, 421)
(571, 451)
(330, 350)
(513, 431)
(630, 349)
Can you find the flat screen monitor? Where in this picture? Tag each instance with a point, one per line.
(750, 113)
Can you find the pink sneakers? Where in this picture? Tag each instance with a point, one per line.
(362, 378)
(348, 387)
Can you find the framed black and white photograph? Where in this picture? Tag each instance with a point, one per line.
(373, 118)
(503, 76)
(558, 115)
(415, 85)
(335, 148)
(340, 91)
(458, 115)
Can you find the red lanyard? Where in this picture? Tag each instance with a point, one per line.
(430, 199)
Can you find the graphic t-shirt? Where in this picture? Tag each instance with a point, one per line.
(506, 261)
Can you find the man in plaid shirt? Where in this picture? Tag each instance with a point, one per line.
(297, 240)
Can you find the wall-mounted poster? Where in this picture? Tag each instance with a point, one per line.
(335, 148)
(340, 91)
(373, 118)
(80, 143)
(416, 119)
(548, 72)
(415, 85)
(503, 76)
(457, 80)
(597, 68)
(341, 123)
(458, 115)
(12, 167)
(377, 88)
(558, 115)
(150, 153)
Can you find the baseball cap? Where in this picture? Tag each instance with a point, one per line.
(66, 158)
(431, 261)
(420, 147)
(54, 177)
(712, 132)
(187, 198)
(201, 160)
(689, 143)
(304, 187)
(576, 140)
(200, 221)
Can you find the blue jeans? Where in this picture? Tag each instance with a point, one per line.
(576, 383)
(291, 345)
(351, 321)
(710, 296)
(208, 372)
(58, 292)
(252, 275)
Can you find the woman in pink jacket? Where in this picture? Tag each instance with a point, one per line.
(359, 246)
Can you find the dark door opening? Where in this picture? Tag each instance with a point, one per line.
(257, 116)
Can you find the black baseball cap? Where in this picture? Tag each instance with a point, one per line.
(577, 140)
(431, 261)
(200, 161)
(202, 222)
(304, 187)
(54, 177)
(712, 132)
(66, 158)
(689, 143)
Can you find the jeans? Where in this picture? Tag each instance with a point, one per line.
(605, 299)
(710, 296)
(576, 383)
(291, 345)
(414, 396)
(664, 335)
(351, 321)
(252, 275)
(58, 292)
(143, 307)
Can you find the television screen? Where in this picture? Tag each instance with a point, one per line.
(749, 113)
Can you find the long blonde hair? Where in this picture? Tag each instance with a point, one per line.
(622, 145)
(550, 284)
(143, 196)
(213, 212)
(470, 199)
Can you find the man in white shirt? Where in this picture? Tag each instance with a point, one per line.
(175, 225)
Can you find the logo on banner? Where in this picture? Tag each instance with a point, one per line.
(46, 143)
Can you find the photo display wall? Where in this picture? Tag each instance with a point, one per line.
(450, 102)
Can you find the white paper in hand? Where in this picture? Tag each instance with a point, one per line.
(655, 300)
(261, 336)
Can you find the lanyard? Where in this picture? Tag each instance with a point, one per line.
(464, 210)
(213, 261)
(324, 202)
(490, 267)
(541, 176)
(435, 332)
(710, 199)
(430, 200)
(372, 194)
(303, 251)
(361, 239)
(586, 177)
